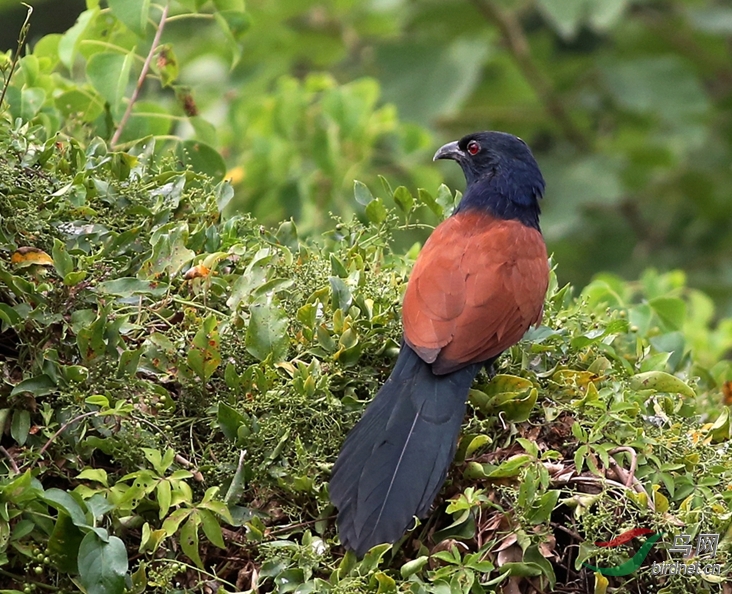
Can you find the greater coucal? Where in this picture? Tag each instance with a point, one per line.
(477, 286)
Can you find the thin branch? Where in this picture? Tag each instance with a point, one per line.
(23, 579)
(283, 529)
(142, 77)
(188, 464)
(22, 35)
(10, 458)
(515, 38)
(628, 476)
(63, 428)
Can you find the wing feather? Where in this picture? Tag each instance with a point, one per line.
(477, 286)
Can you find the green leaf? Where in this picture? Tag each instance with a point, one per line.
(202, 158)
(446, 200)
(109, 74)
(510, 467)
(166, 65)
(426, 198)
(163, 495)
(9, 316)
(267, 332)
(169, 252)
(362, 193)
(69, 42)
(189, 539)
(204, 356)
(173, 521)
(211, 528)
(38, 386)
(128, 286)
(20, 426)
(666, 86)
(661, 382)
(224, 194)
(413, 566)
(542, 512)
(82, 102)
(63, 500)
(93, 474)
(565, 16)
(229, 420)
(133, 13)
(102, 563)
(61, 259)
(149, 119)
(341, 294)
(233, 5)
(427, 80)
(671, 310)
(404, 199)
(376, 211)
(32, 100)
(236, 20)
(64, 543)
(232, 25)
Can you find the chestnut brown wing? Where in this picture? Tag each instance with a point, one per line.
(477, 286)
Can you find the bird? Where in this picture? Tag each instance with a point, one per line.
(476, 287)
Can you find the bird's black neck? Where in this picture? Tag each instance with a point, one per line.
(505, 197)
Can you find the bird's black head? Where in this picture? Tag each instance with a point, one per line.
(501, 173)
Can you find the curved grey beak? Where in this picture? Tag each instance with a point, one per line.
(449, 151)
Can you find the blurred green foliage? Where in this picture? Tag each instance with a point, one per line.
(625, 103)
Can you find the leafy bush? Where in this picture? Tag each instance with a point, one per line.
(176, 386)
(298, 145)
(624, 101)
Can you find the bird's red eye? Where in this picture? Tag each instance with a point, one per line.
(473, 147)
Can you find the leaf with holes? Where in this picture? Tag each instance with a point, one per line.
(189, 538)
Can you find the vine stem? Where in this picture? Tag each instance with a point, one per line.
(22, 35)
(515, 38)
(142, 77)
(63, 428)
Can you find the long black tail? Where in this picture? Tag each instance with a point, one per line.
(395, 459)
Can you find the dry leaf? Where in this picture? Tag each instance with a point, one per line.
(27, 256)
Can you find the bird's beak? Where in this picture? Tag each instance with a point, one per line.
(449, 151)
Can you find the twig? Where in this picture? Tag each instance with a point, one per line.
(190, 465)
(572, 533)
(514, 37)
(24, 580)
(592, 480)
(22, 35)
(63, 428)
(10, 458)
(629, 476)
(142, 77)
(289, 527)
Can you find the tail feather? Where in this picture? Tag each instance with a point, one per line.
(394, 461)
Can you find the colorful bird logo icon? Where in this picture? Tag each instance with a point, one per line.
(634, 563)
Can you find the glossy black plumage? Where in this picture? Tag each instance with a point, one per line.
(415, 416)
